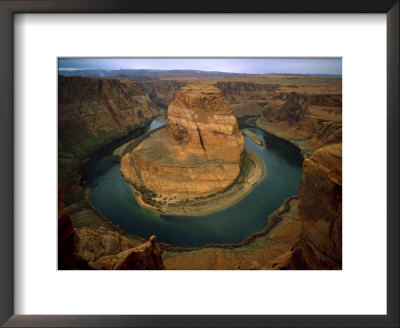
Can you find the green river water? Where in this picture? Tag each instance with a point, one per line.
(112, 196)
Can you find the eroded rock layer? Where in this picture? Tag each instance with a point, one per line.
(94, 110)
(197, 154)
(320, 209)
(246, 98)
(109, 250)
(162, 91)
(309, 120)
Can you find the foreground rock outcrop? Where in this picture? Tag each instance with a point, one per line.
(99, 248)
(320, 209)
(108, 250)
(196, 155)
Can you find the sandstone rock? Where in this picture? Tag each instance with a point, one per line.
(320, 209)
(95, 110)
(67, 259)
(201, 118)
(320, 197)
(104, 249)
(93, 244)
(65, 236)
(255, 265)
(287, 107)
(246, 98)
(311, 120)
(197, 154)
(147, 256)
(162, 91)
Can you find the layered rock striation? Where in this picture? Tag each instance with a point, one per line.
(246, 98)
(94, 110)
(109, 250)
(320, 210)
(89, 248)
(162, 92)
(311, 121)
(198, 153)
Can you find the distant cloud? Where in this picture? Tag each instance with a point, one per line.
(233, 65)
(69, 69)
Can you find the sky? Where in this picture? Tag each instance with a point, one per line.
(233, 65)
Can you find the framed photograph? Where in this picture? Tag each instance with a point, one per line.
(186, 165)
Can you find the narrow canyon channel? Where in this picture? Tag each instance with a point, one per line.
(113, 197)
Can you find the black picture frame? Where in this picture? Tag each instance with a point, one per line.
(7, 10)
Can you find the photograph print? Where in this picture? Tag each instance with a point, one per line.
(199, 163)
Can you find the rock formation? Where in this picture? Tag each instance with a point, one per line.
(94, 110)
(147, 256)
(94, 243)
(320, 209)
(109, 250)
(65, 236)
(162, 91)
(90, 248)
(67, 259)
(197, 154)
(310, 121)
(246, 98)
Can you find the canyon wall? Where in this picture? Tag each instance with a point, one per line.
(92, 111)
(65, 236)
(320, 210)
(162, 92)
(246, 98)
(197, 154)
(309, 120)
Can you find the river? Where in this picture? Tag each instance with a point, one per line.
(112, 196)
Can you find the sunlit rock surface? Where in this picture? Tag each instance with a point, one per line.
(197, 154)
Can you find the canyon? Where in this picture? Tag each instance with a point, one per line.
(203, 136)
(96, 110)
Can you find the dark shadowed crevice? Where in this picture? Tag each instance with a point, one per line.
(201, 140)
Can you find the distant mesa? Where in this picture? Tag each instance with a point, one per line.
(197, 154)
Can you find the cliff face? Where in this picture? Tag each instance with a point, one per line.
(65, 236)
(90, 248)
(246, 98)
(200, 119)
(162, 91)
(320, 209)
(67, 259)
(197, 154)
(92, 111)
(286, 107)
(311, 120)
